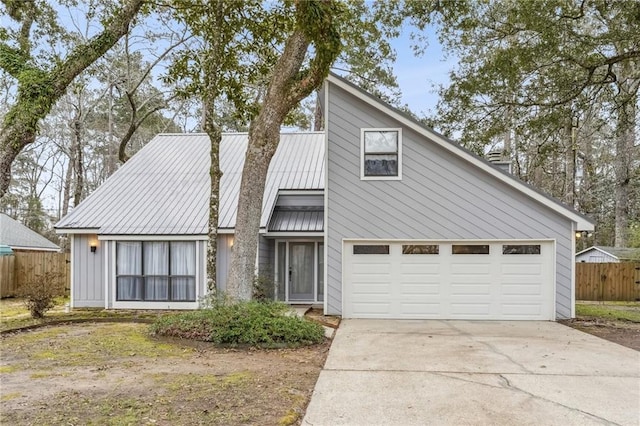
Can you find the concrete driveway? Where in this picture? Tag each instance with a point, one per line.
(383, 372)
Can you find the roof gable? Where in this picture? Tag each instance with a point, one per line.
(15, 235)
(620, 253)
(583, 222)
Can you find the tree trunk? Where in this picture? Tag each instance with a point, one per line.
(67, 186)
(318, 122)
(625, 139)
(288, 85)
(622, 165)
(215, 137)
(78, 163)
(570, 163)
(264, 136)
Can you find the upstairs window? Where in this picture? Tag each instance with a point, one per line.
(381, 154)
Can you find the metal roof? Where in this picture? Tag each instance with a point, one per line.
(285, 219)
(164, 188)
(15, 235)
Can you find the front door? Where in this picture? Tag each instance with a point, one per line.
(301, 270)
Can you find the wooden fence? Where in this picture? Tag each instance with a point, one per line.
(608, 281)
(21, 268)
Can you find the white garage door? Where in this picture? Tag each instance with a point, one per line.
(511, 280)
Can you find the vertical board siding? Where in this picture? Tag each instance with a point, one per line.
(8, 287)
(223, 260)
(88, 272)
(608, 281)
(21, 268)
(440, 196)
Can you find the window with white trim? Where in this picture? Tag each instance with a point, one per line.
(154, 271)
(381, 154)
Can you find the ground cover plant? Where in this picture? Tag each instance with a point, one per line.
(252, 323)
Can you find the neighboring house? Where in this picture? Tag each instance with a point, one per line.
(376, 217)
(20, 238)
(602, 254)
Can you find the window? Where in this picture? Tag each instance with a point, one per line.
(381, 154)
(371, 249)
(470, 249)
(421, 249)
(156, 271)
(521, 249)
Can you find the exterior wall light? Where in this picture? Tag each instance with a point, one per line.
(93, 248)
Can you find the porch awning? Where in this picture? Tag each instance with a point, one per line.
(298, 219)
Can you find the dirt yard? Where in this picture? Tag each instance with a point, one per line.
(616, 322)
(115, 374)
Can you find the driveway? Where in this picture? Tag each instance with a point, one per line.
(384, 372)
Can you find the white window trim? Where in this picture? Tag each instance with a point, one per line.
(382, 129)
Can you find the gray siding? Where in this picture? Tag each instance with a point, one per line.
(88, 272)
(440, 196)
(266, 254)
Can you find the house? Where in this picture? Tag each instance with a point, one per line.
(376, 217)
(19, 238)
(602, 254)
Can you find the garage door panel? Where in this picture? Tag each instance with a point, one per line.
(450, 286)
(520, 309)
(521, 269)
(419, 289)
(371, 288)
(472, 267)
(471, 289)
(518, 289)
(371, 268)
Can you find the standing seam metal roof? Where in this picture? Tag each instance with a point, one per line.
(164, 188)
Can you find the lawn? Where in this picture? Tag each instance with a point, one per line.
(116, 373)
(610, 311)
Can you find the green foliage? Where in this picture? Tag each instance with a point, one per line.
(40, 293)
(244, 323)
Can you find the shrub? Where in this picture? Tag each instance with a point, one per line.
(263, 324)
(39, 293)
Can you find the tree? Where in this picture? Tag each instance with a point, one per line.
(39, 84)
(528, 71)
(290, 82)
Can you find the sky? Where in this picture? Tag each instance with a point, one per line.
(419, 76)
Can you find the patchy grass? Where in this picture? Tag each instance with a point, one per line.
(86, 344)
(10, 396)
(7, 369)
(258, 324)
(14, 315)
(117, 374)
(626, 311)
